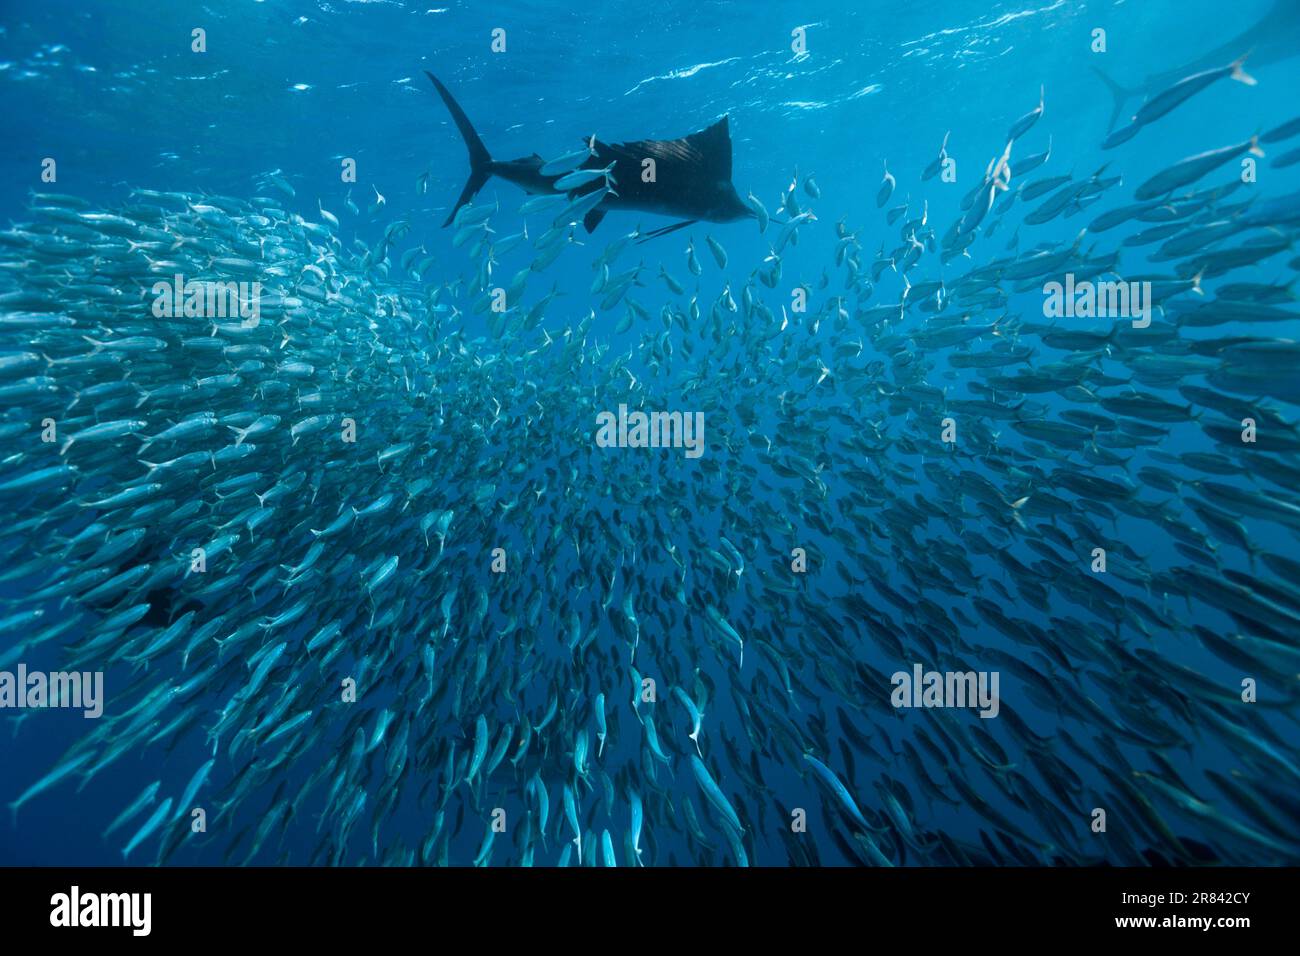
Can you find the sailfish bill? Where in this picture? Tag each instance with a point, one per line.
(691, 181)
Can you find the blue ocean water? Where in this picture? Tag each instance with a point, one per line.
(117, 96)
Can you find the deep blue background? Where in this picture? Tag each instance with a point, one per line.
(116, 96)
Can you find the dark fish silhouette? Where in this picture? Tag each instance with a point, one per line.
(692, 175)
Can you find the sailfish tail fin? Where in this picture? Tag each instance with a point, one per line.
(1119, 96)
(480, 162)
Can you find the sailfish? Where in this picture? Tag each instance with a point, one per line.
(691, 176)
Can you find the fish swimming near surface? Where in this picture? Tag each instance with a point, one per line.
(1274, 38)
(692, 175)
(358, 570)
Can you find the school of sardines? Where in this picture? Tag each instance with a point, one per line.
(437, 625)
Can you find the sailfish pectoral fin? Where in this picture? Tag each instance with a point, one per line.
(665, 230)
